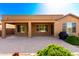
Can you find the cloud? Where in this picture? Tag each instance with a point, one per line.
(49, 8)
(65, 8)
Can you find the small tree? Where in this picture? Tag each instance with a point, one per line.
(54, 50)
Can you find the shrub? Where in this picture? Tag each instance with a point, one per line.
(72, 40)
(53, 50)
(63, 35)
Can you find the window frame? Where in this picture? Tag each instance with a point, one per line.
(65, 27)
(42, 28)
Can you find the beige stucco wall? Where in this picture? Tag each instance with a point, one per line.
(21, 34)
(58, 24)
(35, 33)
(42, 19)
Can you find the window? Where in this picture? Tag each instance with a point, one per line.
(74, 27)
(64, 27)
(21, 28)
(18, 28)
(42, 28)
(70, 27)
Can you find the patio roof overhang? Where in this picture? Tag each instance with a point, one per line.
(33, 18)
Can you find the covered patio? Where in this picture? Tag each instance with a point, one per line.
(32, 24)
(28, 29)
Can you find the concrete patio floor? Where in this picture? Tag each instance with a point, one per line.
(13, 44)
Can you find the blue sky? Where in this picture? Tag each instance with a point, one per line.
(38, 8)
(20, 8)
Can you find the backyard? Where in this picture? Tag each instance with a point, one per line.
(27, 45)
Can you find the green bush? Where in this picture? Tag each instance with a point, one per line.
(53, 50)
(72, 40)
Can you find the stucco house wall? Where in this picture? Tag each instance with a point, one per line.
(56, 20)
(58, 24)
(21, 34)
(35, 33)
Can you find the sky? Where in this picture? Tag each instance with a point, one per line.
(38, 8)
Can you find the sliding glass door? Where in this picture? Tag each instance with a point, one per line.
(21, 28)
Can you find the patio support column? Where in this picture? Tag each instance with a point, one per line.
(29, 29)
(3, 29)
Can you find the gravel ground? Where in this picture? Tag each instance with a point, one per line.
(13, 44)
